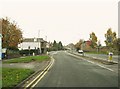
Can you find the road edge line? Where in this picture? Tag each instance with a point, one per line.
(92, 62)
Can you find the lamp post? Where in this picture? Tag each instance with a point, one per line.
(39, 42)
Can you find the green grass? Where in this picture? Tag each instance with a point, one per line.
(13, 76)
(28, 59)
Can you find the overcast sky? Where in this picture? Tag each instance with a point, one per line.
(62, 20)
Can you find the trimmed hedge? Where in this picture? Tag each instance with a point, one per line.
(29, 52)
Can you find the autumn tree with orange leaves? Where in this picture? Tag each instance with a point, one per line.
(11, 34)
(93, 39)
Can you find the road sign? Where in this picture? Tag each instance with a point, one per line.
(0, 46)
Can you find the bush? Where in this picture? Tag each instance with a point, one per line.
(11, 53)
(13, 48)
(28, 52)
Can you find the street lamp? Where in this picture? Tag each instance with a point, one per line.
(39, 42)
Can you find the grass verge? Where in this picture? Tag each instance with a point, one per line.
(27, 59)
(13, 76)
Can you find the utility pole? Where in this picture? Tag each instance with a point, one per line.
(46, 44)
(39, 43)
(45, 38)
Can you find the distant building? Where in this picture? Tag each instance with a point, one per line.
(33, 43)
(86, 46)
(71, 46)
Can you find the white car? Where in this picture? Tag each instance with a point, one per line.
(80, 51)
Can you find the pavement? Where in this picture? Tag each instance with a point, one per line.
(32, 65)
(71, 71)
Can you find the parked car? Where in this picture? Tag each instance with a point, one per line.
(81, 52)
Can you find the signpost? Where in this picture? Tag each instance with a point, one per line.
(0, 46)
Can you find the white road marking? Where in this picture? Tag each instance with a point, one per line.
(92, 62)
(104, 67)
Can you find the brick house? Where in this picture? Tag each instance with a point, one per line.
(86, 46)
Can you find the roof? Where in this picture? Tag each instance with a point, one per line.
(33, 40)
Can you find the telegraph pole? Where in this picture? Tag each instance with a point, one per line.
(39, 43)
(46, 44)
(45, 38)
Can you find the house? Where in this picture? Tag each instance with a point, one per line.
(33, 43)
(71, 46)
(86, 46)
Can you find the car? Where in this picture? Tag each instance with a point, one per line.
(80, 51)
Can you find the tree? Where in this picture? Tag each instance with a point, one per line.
(54, 43)
(116, 45)
(93, 39)
(60, 46)
(78, 44)
(110, 39)
(12, 34)
(55, 46)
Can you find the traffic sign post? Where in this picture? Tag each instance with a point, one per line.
(0, 46)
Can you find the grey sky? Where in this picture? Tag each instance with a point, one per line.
(63, 20)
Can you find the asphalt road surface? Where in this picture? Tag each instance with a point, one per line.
(68, 71)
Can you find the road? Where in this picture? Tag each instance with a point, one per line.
(68, 71)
